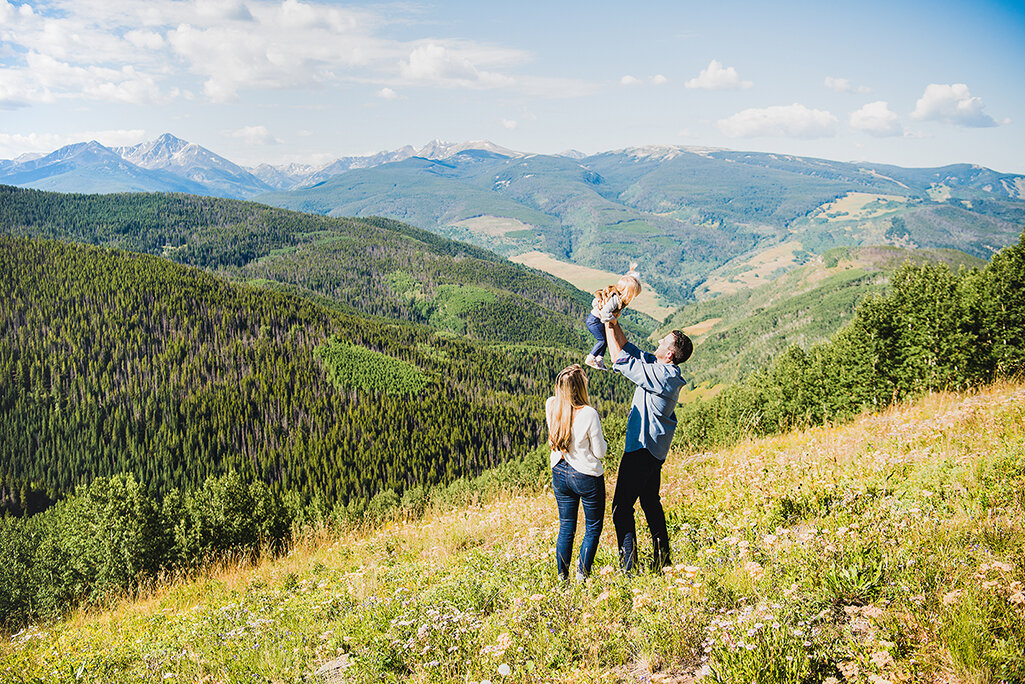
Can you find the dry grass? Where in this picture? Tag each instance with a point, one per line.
(591, 279)
(492, 226)
(702, 328)
(487, 568)
(860, 206)
(756, 270)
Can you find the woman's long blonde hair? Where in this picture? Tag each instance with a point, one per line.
(570, 394)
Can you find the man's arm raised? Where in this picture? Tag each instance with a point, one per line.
(615, 337)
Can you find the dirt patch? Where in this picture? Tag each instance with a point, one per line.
(591, 279)
(699, 329)
(757, 270)
(494, 226)
(861, 206)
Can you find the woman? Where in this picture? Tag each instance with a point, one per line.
(574, 434)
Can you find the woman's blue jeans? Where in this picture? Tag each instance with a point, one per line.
(571, 489)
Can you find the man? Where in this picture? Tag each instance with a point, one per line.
(649, 432)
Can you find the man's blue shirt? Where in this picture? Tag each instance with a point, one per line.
(652, 419)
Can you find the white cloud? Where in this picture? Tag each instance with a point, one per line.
(146, 40)
(793, 121)
(952, 104)
(657, 79)
(387, 94)
(717, 77)
(130, 50)
(842, 85)
(46, 79)
(448, 67)
(13, 145)
(255, 135)
(111, 138)
(510, 124)
(876, 119)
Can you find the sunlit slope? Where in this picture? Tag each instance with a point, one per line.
(373, 266)
(740, 331)
(889, 549)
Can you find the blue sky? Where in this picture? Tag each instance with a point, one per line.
(908, 83)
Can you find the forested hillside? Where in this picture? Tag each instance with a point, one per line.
(368, 266)
(936, 330)
(737, 333)
(114, 362)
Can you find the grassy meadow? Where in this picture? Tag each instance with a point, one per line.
(887, 549)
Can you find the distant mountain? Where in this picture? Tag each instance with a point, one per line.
(283, 177)
(292, 176)
(219, 176)
(699, 220)
(344, 164)
(91, 167)
(167, 164)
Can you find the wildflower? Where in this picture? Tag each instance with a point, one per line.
(882, 659)
(849, 669)
(754, 569)
(602, 596)
(504, 670)
(641, 600)
(951, 597)
(872, 611)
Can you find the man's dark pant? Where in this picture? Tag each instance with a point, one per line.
(640, 475)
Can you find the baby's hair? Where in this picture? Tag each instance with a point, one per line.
(629, 286)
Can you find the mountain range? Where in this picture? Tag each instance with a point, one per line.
(700, 221)
(170, 164)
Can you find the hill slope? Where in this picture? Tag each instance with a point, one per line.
(810, 555)
(738, 332)
(366, 266)
(111, 362)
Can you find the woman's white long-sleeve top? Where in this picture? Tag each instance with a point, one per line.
(588, 446)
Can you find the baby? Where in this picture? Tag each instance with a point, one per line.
(608, 303)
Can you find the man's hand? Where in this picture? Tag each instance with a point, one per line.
(615, 337)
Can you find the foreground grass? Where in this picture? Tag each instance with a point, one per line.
(889, 549)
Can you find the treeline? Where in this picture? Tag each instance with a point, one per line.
(353, 261)
(113, 362)
(936, 330)
(117, 536)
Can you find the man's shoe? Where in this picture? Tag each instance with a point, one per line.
(594, 362)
